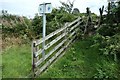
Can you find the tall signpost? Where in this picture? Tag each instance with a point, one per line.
(43, 9)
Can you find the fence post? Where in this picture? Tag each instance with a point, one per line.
(66, 32)
(37, 48)
(77, 31)
(33, 60)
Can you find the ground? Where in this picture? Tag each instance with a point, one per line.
(81, 60)
(16, 62)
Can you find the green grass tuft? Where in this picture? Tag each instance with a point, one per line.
(16, 62)
(82, 61)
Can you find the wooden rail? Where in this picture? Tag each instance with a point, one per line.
(64, 36)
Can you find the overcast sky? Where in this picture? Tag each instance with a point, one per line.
(30, 7)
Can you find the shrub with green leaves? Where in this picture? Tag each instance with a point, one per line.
(106, 70)
(108, 45)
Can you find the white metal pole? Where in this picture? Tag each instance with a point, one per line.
(44, 30)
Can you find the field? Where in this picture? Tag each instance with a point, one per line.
(95, 52)
(81, 60)
(16, 62)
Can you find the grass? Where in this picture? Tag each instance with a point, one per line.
(16, 62)
(0, 66)
(80, 61)
(83, 61)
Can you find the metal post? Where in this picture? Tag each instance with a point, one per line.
(44, 30)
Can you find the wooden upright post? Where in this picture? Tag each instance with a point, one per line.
(33, 59)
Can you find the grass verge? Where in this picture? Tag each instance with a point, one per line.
(80, 61)
(16, 62)
(83, 61)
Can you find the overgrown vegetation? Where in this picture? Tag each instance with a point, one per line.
(16, 62)
(83, 60)
(97, 56)
(109, 34)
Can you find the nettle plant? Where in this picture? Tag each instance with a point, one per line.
(108, 45)
(112, 46)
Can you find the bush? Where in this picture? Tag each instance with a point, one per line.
(108, 45)
(106, 70)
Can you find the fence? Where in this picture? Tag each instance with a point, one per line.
(56, 43)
